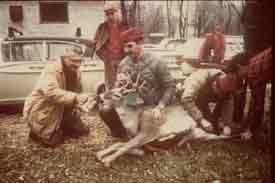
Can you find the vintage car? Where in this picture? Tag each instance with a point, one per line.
(190, 49)
(23, 58)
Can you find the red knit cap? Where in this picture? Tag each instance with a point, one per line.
(226, 83)
(131, 35)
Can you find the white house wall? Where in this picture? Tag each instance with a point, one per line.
(84, 14)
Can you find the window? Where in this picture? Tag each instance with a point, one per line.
(16, 13)
(30, 51)
(54, 12)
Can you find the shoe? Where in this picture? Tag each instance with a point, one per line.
(55, 140)
(76, 130)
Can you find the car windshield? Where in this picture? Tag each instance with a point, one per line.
(22, 51)
(56, 49)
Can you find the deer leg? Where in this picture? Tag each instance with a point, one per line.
(201, 134)
(138, 141)
(109, 150)
(186, 138)
(136, 152)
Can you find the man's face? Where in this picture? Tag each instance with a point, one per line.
(111, 15)
(132, 49)
(73, 62)
(218, 29)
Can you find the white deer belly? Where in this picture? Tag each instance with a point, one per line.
(177, 121)
(129, 119)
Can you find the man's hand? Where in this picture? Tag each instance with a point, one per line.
(206, 125)
(226, 131)
(81, 99)
(158, 111)
(246, 135)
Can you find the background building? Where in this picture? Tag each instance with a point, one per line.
(51, 18)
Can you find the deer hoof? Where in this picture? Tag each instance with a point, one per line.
(99, 155)
(107, 161)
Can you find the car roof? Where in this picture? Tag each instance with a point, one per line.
(48, 38)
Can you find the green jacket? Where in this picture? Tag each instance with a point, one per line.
(159, 87)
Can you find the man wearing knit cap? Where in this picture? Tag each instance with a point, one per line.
(213, 41)
(107, 43)
(143, 68)
(49, 109)
(206, 86)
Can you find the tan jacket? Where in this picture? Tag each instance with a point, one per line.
(43, 108)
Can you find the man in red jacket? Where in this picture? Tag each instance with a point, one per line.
(107, 43)
(213, 48)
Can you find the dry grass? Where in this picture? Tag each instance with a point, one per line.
(74, 161)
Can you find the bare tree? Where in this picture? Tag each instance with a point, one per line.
(228, 22)
(129, 12)
(181, 23)
(132, 13)
(124, 13)
(170, 22)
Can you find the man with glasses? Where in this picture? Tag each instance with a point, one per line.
(107, 43)
(158, 88)
(49, 109)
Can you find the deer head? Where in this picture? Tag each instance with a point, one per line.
(124, 86)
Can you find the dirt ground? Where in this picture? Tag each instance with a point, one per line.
(22, 160)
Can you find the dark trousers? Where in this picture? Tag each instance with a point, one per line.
(112, 120)
(239, 103)
(71, 126)
(256, 108)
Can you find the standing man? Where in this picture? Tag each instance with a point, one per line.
(257, 23)
(107, 43)
(49, 109)
(159, 86)
(213, 48)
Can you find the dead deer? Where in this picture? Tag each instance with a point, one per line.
(143, 128)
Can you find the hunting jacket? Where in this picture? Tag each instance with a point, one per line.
(101, 39)
(44, 107)
(197, 87)
(159, 84)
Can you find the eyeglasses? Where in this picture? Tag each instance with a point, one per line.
(109, 13)
(76, 60)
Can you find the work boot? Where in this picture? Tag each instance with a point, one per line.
(75, 129)
(56, 139)
(112, 120)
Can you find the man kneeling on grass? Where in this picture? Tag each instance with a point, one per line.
(207, 86)
(49, 109)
